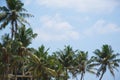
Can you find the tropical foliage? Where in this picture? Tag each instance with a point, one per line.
(14, 14)
(19, 61)
(106, 59)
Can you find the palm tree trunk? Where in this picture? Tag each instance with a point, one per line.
(57, 78)
(81, 76)
(66, 74)
(7, 68)
(102, 75)
(7, 72)
(16, 28)
(2, 75)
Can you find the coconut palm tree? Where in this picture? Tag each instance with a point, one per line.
(65, 57)
(57, 66)
(14, 52)
(2, 64)
(25, 36)
(106, 59)
(82, 64)
(14, 14)
(38, 65)
(20, 51)
(8, 52)
(5, 48)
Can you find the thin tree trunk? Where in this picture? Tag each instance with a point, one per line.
(7, 72)
(57, 78)
(4, 73)
(66, 74)
(81, 76)
(16, 28)
(15, 73)
(102, 75)
(12, 30)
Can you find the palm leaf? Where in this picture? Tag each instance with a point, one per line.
(116, 64)
(51, 72)
(4, 9)
(91, 71)
(11, 4)
(111, 70)
(3, 16)
(22, 20)
(114, 56)
(25, 15)
(116, 60)
(3, 25)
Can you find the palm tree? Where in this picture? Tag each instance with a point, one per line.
(20, 51)
(82, 64)
(38, 64)
(25, 36)
(5, 48)
(65, 57)
(9, 58)
(14, 52)
(14, 14)
(106, 59)
(57, 66)
(2, 64)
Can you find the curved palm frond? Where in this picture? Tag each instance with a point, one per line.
(13, 14)
(106, 59)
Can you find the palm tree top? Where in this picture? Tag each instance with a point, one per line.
(105, 52)
(13, 13)
(106, 58)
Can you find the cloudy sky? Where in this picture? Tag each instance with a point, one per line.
(83, 24)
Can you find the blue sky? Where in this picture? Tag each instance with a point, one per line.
(83, 24)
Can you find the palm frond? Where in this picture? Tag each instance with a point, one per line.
(4, 9)
(23, 9)
(6, 22)
(116, 64)
(11, 4)
(111, 70)
(113, 56)
(93, 65)
(35, 58)
(51, 72)
(22, 20)
(116, 68)
(97, 52)
(26, 15)
(3, 16)
(116, 60)
(91, 71)
(19, 5)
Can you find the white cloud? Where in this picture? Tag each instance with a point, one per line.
(81, 5)
(28, 2)
(101, 27)
(55, 29)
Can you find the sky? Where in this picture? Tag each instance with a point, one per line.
(83, 24)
